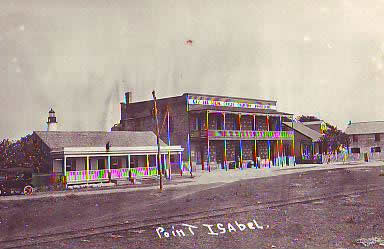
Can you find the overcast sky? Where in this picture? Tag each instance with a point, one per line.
(322, 58)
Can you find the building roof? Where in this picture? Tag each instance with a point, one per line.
(142, 109)
(229, 97)
(306, 131)
(319, 122)
(61, 139)
(365, 128)
(236, 109)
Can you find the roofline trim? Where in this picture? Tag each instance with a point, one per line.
(245, 113)
(229, 97)
(116, 150)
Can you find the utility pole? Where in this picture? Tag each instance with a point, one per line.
(159, 168)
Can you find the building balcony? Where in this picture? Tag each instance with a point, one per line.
(243, 135)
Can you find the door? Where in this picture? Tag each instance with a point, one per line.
(237, 153)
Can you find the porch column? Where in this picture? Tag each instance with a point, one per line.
(109, 164)
(225, 143)
(169, 144)
(281, 144)
(293, 143)
(147, 164)
(269, 144)
(87, 169)
(164, 159)
(181, 163)
(278, 153)
(129, 162)
(65, 170)
(255, 143)
(208, 151)
(241, 143)
(278, 145)
(168, 158)
(158, 163)
(313, 150)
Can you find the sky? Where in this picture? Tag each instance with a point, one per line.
(322, 58)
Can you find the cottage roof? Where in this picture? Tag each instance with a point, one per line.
(319, 122)
(60, 139)
(306, 131)
(365, 128)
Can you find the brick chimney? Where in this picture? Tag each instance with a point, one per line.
(123, 111)
(128, 98)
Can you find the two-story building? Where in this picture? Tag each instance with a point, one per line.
(216, 131)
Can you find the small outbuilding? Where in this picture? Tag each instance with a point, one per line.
(308, 145)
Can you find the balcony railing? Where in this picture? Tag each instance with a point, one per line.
(243, 135)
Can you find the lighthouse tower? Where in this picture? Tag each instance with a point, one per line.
(52, 123)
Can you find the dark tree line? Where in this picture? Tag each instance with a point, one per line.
(24, 152)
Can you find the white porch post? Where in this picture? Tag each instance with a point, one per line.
(181, 162)
(164, 164)
(109, 164)
(65, 171)
(169, 164)
(129, 162)
(87, 170)
(225, 143)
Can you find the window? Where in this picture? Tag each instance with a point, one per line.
(377, 137)
(354, 138)
(236, 123)
(197, 125)
(375, 149)
(306, 151)
(219, 122)
(71, 164)
(101, 163)
(198, 156)
(115, 163)
(355, 150)
(171, 124)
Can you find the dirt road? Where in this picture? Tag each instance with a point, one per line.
(333, 208)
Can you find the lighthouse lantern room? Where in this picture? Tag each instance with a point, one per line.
(52, 123)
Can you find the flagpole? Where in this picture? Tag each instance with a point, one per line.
(159, 168)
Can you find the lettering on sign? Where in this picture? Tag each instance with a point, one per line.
(238, 104)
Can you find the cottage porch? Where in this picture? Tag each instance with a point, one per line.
(94, 165)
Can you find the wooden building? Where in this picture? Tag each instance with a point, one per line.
(366, 137)
(98, 156)
(308, 145)
(216, 132)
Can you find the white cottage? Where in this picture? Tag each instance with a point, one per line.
(98, 156)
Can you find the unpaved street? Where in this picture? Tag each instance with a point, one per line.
(328, 208)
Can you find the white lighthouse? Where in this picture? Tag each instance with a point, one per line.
(52, 123)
